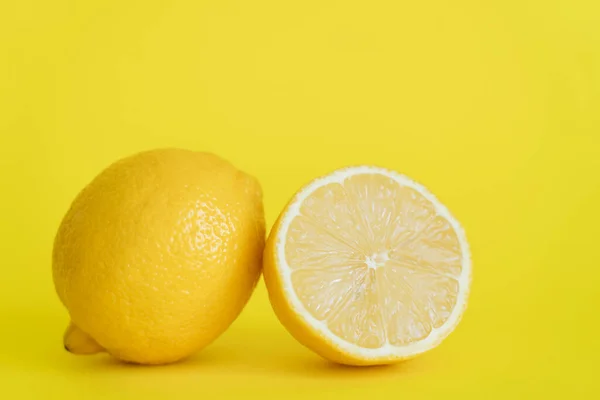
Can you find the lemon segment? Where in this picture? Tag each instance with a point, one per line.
(365, 266)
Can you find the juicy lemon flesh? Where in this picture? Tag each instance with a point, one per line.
(373, 261)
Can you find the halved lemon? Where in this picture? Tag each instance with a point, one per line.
(365, 266)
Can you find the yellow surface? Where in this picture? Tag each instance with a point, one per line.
(493, 105)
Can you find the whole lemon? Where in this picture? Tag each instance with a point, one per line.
(158, 255)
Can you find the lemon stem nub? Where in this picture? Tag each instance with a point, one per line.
(77, 341)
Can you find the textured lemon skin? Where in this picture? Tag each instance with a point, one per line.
(158, 255)
(298, 327)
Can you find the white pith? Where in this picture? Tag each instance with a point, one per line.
(387, 350)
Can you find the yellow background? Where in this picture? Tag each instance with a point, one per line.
(494, 105)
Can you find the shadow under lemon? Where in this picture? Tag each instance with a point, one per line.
(33, 342)
(261, 350)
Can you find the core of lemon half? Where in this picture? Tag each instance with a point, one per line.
(365, 266)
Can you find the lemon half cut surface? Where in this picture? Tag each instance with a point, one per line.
(365, 266)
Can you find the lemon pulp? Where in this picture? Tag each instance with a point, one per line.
(370, 263)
